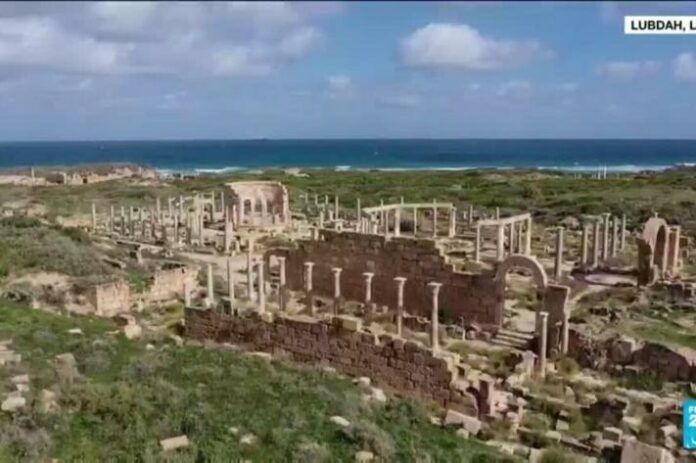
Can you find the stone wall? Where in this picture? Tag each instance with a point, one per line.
(340, 342)
(670, 364)
(478, 298)
(168, 283)
(110, 299)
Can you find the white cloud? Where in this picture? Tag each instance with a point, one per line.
(338, 82)
(265, 14)
(518, 89)
(461, 46)
(42, 43)
(125, 17)
(684, 67)
(626, 70)
(402, 100)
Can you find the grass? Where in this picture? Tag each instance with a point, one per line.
(130, 397)
(26, 244)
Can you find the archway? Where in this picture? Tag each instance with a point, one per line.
(523, 303)
(660, 248)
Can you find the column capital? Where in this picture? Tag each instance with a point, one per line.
(336, 270)
(400, 280)
(281, 259)
(368, 275)
(435, 286)
(309, 264)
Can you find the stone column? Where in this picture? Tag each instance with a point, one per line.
(513, 238)
(500, 243)
(477, 245)
(222, 201)
(250, 270)
(227, 231)
(94, 217)
(615, 237)
(181, 206)
(386, 223)
(170, 209)
(434, 321)
(397, 222)
(358, 209)
(210, 296)
(336, 207)
(595, 244)
(177, 238)
(564, 332)
(230, 282)
(453, 222)
(528, 238)
(337, 289)
(622, 241)
(605, 243)
(321, 218)
(158, 205)
(308, 286)
(542, 333)
(497, 213)
(558, 259)
(415, 220)
(470, 215)
(261, 295)
(399, 304)
(282, 290)
(111, 218)
(674, 240)
(434, 220)
(187, 295)
(368, 288)
(583, 249)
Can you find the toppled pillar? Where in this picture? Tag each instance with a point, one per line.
(400, 281)
(558, 258)
(308, 286)
(434, 320)
(337, 289)
(542, 336)
(230, 282)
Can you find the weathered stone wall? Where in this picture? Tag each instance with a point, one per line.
(110, 299)
(662, 361)
(402, 365)
(168, 283)
(478, 298)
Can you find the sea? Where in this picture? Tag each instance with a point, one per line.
(217, 156)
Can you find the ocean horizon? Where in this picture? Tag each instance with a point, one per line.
(218, 156)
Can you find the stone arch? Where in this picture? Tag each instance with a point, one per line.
(526, 262)
(660, 247)
(247, 207)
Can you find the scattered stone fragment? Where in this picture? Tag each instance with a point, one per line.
(634, 451)
(12, 404)
(248, 439)
(132, 331)
(48, 401)
(174, 443)
(668, 431)
(22, 387)
(364, 456)
(463, 433)
(233, 430)
(340, 421)
(178, 340)
(363, 381)
(66, 366)
(612, 434)
(149, 347)
(20, 379)
(562, 425)
(76, 331)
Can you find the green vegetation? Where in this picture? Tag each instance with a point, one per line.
(131, 396)
(26, 244)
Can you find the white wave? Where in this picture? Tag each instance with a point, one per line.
(342, 168)
(221, 170)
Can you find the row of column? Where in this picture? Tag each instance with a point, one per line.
(519, 239)
(542, 331)
(608, 237)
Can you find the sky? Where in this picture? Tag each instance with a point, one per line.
(140, 70)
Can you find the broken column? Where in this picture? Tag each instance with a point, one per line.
(230, 282)
(564, 331)
(528, 238)
(368, 288)
(358, 209)
(470, 215)
(434, 322)
(415, 220)
(622, 240)
(261, 295)
(452, 222)
(477, 245)
(542, 333)
(94, 217)
(513, 238)
(397, 222)
(399, 304)
(336, 207)
(308, 286)
(337, 289)
(111, 218)
(558, 260)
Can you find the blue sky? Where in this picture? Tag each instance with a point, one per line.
(86, 71)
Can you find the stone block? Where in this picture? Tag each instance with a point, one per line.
(174, 443)
(13, 404)
(612, 434)
(634, 451)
